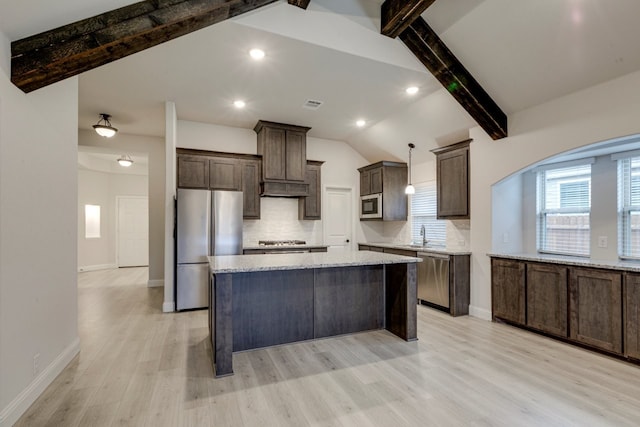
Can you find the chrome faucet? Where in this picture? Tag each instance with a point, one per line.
(423, 234)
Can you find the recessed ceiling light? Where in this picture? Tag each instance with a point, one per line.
(239, 103)
(257, 54)
(360, 123)
(412, 90)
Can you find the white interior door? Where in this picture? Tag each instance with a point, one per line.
(133, 231)
(337, 218)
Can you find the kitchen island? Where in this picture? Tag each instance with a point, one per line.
(260, 301)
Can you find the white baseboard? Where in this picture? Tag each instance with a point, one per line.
(169, 307)
(19, 405)
(155, 283)
(480, 313)
(96, 267)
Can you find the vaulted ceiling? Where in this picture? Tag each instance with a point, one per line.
(522, 53)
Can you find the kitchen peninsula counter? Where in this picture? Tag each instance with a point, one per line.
(260, 301)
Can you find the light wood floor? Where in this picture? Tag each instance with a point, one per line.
(140, 367)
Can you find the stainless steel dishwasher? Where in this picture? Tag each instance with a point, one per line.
(433, 279)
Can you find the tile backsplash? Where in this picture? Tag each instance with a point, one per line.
(279, 221)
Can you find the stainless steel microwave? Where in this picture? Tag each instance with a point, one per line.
(371, 206)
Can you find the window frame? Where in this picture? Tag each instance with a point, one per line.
(543, 212)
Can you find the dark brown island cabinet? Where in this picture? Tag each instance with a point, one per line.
(459, 276)
(452, 171)
(211, 170)
(594, 307)
(389, 179)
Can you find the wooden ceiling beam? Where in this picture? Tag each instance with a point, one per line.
(441, 62)
(55, 55)
(300, 3)
(397, 15)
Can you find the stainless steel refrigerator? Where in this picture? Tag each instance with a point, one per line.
(208, 223)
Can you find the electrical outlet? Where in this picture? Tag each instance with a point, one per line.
(602, 241)
(36, 364)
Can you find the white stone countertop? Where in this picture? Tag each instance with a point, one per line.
(570, 260)
(269, 262)
(418, 248)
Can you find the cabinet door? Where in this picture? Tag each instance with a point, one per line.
(365, 183)
(376, 181)
(296, 155)
(453, 184)
(547, 298)
(224, 174)
(251, 189)
(595, 308)
(273, 155)
(310, 207)
(193, 172)
(632, 316)
(508, 290)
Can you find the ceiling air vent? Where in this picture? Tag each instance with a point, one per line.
(312, 104)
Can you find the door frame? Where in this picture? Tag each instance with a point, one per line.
(349, 190)
(117, 230)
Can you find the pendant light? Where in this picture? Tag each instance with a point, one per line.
(410, 188)
(125, 161)
(103, 127)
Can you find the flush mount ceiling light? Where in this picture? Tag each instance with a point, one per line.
(257, 54)
(412, 90)
(239, 104)
(125, 161)
(410, 189)
(103, 127)
(360, 123)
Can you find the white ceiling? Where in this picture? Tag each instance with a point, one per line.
(522, 52)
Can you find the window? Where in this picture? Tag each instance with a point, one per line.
(91, 221)
(423, 212)
(629, 207)
(564, 207)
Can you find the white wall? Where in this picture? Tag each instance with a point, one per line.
(100, 188)
(154, 148)
(596, 114)
(38, 220)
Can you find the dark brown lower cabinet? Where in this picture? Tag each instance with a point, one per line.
(595, 307)
(508, 290)
(547, 298)
(632, 315)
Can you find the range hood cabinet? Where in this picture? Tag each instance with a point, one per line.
(283, 149)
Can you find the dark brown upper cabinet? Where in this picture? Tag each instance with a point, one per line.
(284, 155)
(310, 207)
(193, 171)
(390, 179)
(211, 170)
(452, 171)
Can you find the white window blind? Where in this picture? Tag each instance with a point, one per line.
(564, 208)
(629, 207)
(423, 212)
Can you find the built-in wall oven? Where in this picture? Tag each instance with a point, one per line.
(371, 206)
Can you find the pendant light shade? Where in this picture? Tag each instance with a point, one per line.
(103, 127)
(410, 189)
(125, 161)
